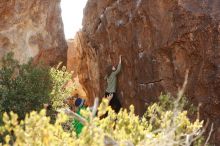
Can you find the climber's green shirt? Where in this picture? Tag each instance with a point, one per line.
(77, 125)
(112, 80)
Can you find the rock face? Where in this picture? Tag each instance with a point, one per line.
(32, 28)
(159, 41)
(82, 60)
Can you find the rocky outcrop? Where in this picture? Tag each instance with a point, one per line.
(82, 60)
(159, 41)
(32, 28)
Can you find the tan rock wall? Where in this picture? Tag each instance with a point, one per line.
(83, 61)
(32, 28)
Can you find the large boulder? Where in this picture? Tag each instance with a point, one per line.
(32, 28)
(159, 40)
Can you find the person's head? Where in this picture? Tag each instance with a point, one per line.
(110, 69)
(79, 102)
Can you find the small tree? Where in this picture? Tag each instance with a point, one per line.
(60, 91)
(25, 87)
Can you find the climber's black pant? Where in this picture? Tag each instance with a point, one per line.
(114, 103)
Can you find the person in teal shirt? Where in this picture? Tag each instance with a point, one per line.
(77, 125)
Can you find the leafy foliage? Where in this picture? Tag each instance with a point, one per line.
(59, 92)
(24, 88)
(34, 130)
(158, 127)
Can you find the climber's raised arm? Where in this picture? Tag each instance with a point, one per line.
(118, 67)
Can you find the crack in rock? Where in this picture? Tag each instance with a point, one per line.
(151, 82)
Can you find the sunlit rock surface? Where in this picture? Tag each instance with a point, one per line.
(82, 60)
(32, 28)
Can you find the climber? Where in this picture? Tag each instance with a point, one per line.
(111, 77)
(77, 125)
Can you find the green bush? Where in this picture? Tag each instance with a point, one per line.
(26, 87)
(34, 130)
(59, 91)
(164, 123)
(158, 127)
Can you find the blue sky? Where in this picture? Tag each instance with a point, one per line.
(72, 14)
